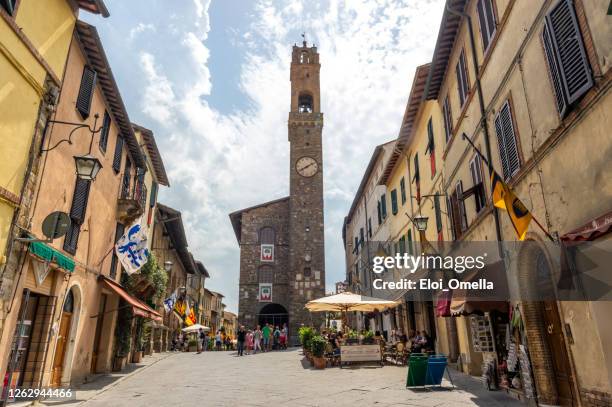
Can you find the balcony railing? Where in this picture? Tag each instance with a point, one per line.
(132, 199)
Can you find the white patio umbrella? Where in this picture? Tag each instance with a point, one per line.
(348, 301)
(195, 328)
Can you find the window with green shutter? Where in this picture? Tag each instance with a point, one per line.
(383, 206)
(403, 190)
(118, 155)
(86, 91)
(104, 132)
(379, 210)
(566, 55)
(409, 248)
(9, 6)
(394, 208)
(119, 230)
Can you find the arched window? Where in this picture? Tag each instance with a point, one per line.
(307, 272)
(266, 235)
(265, 274)
(304, 59)
(305, 104)
(69, 302)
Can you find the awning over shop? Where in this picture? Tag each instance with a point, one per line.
(592, 230)
(49, 254)
(468, 303)
(138, 307)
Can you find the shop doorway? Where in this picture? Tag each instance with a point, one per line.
(274, 314)
(63, 336)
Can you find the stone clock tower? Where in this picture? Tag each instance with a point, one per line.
(282, 259)
(306, 227)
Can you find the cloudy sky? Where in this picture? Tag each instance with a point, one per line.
(211, 79)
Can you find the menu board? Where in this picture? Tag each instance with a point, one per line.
(482, 338)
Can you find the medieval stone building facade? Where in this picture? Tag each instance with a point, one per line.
(282, 263)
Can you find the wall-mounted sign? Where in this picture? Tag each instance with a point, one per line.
(265, 292)
(267, 252)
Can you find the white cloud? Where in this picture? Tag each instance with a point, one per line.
(140, 28)
(220, 162)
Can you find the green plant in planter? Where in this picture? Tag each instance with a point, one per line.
(368, 335)
(317, 346)
(192, 342)
(306, 333)
(353, 334)
(123, 329)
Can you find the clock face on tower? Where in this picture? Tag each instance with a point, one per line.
(306, 166)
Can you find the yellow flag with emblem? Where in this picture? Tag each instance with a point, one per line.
(190, 318)
(504, 198)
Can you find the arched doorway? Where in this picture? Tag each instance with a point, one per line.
(274, 314)
(63, 336)
(543, 329)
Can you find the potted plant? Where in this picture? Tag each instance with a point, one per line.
(317, 347)
(352, 337)
(368, 338)
(305, 334)
(193, 345)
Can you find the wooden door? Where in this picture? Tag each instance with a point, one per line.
(60, 349)
(561, 367)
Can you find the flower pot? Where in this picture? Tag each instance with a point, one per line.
(193, 348)
(119, 363)
(319, 362)
(137, 357)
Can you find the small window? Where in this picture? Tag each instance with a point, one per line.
(394, 208)
(476, 173)
(461, 206)
(307, 272)
(506, 141)
(370, 228)
(88, 84)
(265, 274)
(417, 177)
(104, 132)
(379, 212)
(361, 237)
(438, 213)
(463, 83)
(486, 18)
(9, 6)
(305, 104)
(69, 302)
(409, 248)
(266, 235)
(304, 59)
(403, 190)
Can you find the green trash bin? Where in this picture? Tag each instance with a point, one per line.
(417, 370)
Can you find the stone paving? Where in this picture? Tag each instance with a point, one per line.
(275, 379)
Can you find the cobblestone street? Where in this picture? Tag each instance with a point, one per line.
(279, 379)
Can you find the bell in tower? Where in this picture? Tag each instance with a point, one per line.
(305, 79)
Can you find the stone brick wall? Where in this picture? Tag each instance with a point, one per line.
(276, 216)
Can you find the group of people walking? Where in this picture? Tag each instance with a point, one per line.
(264, 339)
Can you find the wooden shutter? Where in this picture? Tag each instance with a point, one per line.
(394, 208)
(379, 209)
(79, 201)
(438, 213)
(451, 217)
(506, 140)
(461, 206)
(403, 190)
(383, 206)
(462, 79)
(72, 237)
(118, 155)
(370, 228)
(448, 122)
(88, 83)
(409, 241)
(119, 230)
(562, 34)
(104, 132)
(153, 198)
(554, 72)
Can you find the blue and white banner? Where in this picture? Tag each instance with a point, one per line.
(131, 249)
(169, 302)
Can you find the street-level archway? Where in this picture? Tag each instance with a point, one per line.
(274, 314)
